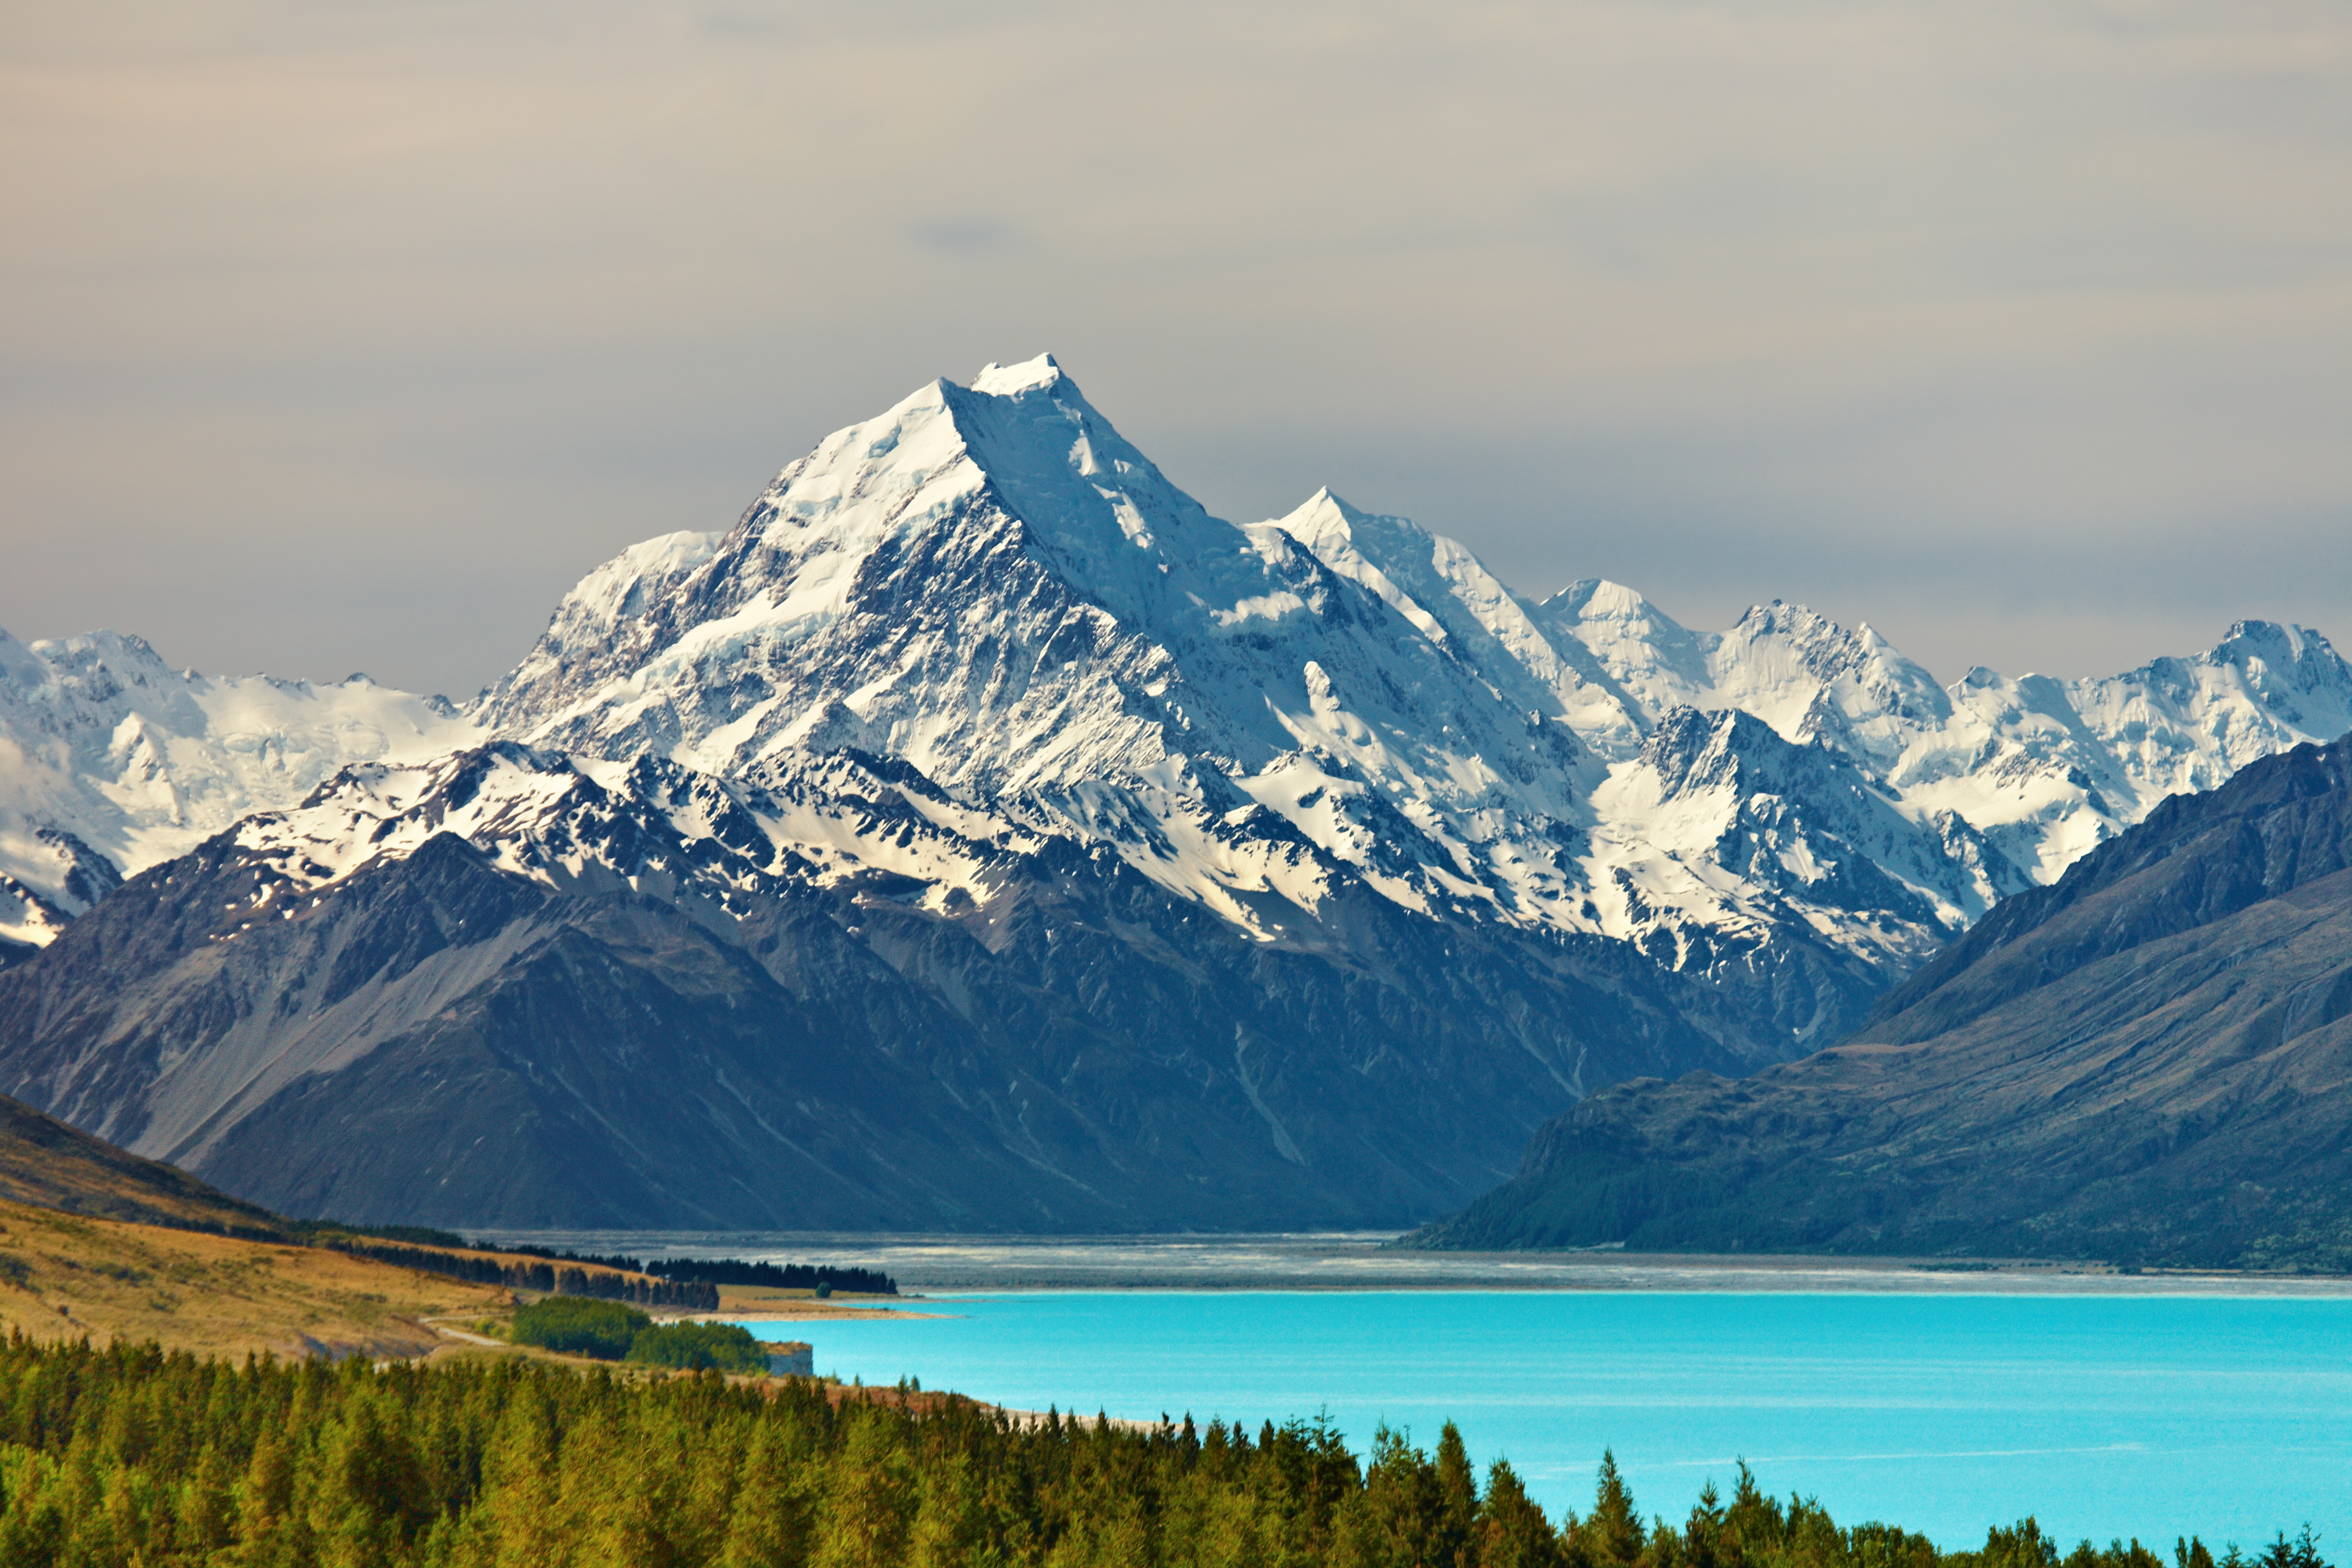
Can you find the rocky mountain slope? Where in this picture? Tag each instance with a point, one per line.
(512, 990)
(2150, 1061)
(991, 584)
(1066, 831)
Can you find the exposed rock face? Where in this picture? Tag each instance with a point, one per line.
(1072, 836)
(638, 1001)
(2150, 1061)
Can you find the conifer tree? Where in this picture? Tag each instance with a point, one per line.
(869, 1499)
(1611, 1534)
(951, 1527)
(1512, 1530)
(267, 1493)
(773, 1519)
(525, 1526)
(1457, 1502)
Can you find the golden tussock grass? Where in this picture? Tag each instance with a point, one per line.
(215, 1294)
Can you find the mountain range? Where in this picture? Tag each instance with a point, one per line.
(2150, 1061)
(980, 834)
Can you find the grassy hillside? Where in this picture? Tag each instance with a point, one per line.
(45, 1163)
(65, 1275)
(99, 1243)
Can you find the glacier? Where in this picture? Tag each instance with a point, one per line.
(112, 761)
(989, 587)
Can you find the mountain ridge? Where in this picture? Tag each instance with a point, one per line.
(2147, 1062)
(975, 1030)
(977, 655)
(2034, 780)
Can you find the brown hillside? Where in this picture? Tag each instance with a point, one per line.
(66, 1275)
(46, 1164)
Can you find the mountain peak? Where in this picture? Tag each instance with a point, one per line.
(1326, 499)
(1328, 515)
(1008, 381)
(2274, 639)
(1598, 598)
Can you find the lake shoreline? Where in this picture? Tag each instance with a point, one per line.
(942, 1264)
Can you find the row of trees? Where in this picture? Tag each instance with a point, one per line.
(822, 1277)
(663, 1282)
(826, 1277)
(132, 1456)
(611, 1332)
(549, 1279)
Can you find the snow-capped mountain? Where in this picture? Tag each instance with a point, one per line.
(2036, 771)
(978, 803)
(2050, 769)
(2045, 770)
(834, 821)
(110, 760)
(991, 586)
(514, 987)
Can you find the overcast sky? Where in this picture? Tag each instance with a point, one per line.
(347, 336)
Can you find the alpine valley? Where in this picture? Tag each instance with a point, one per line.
(980, 835)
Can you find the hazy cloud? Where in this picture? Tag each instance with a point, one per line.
(957, 235)
(348, 336)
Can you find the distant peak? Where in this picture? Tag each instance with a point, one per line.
(1596, 598)
(1004, 381)
(1328, 497)
(2275, 641)
(1782, 615)
(1325, 500)
(2272, 633)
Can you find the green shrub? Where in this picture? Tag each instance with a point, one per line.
(580, 1325)
(697, 1347)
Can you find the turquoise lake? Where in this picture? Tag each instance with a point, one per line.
(2104, 1416)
